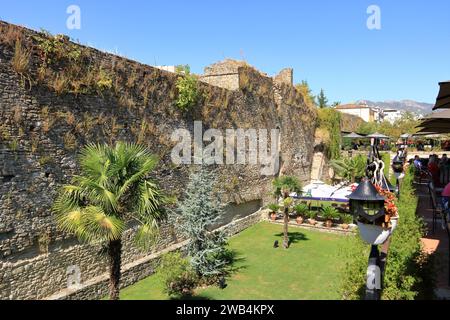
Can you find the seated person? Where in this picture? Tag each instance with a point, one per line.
(434, 169)
(417, 163)
(446, 197)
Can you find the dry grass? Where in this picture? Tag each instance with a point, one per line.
(17, 114)
(21, 59)
(59, 84)
(70, 118)
(10, 34)
(70, 141)
(126, 101)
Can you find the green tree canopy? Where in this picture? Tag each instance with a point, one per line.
(113, 189)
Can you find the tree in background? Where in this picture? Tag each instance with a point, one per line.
(283, 187)
(112, 190)
(336, 104)
(304, 89)
(406, 124)
(322, 100)
(330, 131)
(197, 214)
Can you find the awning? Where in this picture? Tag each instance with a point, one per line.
(433, 130)
(438, 122)
(443, 99)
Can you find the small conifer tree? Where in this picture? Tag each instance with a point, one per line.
(198, 213)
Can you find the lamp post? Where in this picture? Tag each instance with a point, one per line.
(397, 166)
(367, 206)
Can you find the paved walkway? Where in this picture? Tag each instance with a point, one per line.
(435, 243)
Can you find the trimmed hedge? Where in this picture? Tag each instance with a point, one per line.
(409, 271)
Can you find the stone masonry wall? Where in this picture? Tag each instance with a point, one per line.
(43, 127)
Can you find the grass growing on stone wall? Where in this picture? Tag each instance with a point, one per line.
(21, 59)
(310, 269)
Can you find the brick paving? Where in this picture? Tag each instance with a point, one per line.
(435, 243)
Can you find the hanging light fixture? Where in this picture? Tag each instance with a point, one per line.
(366, 202)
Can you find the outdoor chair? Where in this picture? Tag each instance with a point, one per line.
(444, 175)
(422, 175)
(436, 206)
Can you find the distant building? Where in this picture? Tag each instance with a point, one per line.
(392, 115)
(363, 111)
(167, 68)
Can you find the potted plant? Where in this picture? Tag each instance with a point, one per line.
(347, 219)
(301, 210)
(273, 207)
(329, 213)
(312, 217)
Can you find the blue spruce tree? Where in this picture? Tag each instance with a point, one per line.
(199, 212)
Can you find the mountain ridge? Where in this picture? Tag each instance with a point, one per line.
(420, 108)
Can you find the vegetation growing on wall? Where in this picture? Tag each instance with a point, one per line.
(330, 123)
(188, 92)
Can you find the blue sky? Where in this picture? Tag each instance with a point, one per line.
(326, 42)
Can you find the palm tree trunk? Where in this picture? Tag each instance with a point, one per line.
(285, 228)
(115, 257)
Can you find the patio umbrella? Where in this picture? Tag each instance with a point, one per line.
(377, 135)
(405, 136)
(353, 136)
(443, 99)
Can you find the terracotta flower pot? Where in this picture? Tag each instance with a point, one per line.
(328, 223)
(300, 220)
(345, 226)
(273, 216)
(312, 222)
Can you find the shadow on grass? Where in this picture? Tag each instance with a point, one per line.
(294, 237)
(233, 258)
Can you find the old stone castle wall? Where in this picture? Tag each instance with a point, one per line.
(42, 129)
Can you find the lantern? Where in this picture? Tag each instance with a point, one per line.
(366, 202)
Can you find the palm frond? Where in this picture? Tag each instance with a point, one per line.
(98, 226)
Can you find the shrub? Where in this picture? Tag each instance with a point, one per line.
(329, 213)
(177, 274)
(188, 94)
(104, 80)
(273, 207)
(301, 209)
(312, 214)
(330, 121)
(347, 218)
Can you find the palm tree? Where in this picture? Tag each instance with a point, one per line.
(283, 187)
(112, 190)
(350, 168)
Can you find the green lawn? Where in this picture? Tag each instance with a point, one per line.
(308, 270)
